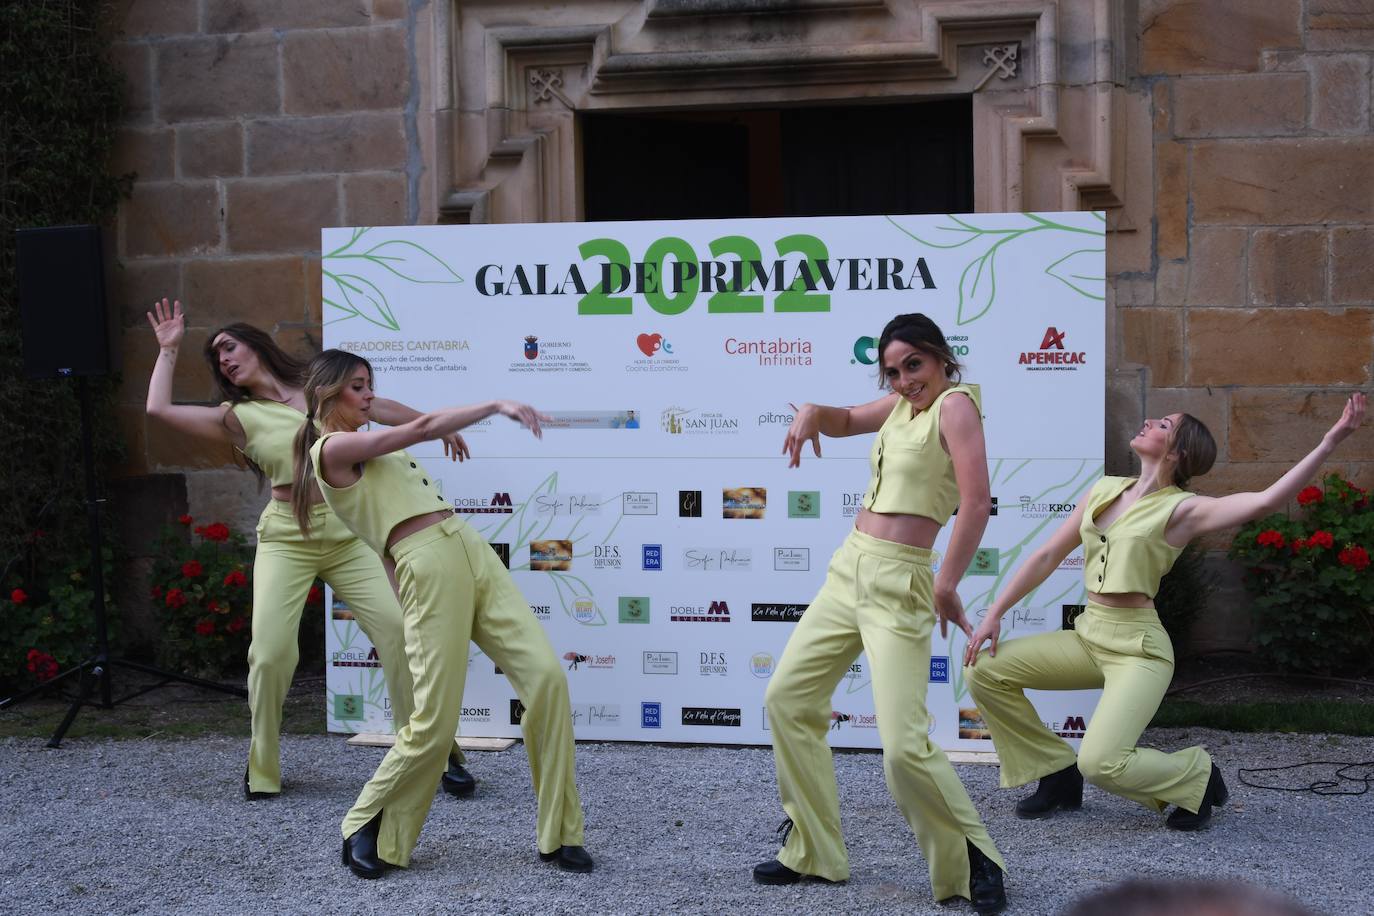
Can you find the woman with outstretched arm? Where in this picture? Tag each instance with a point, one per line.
(1132, 530)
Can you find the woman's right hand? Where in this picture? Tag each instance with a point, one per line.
(1350, 420)
(523, 414)
(169, 325)
(806, 424)
(989, 629)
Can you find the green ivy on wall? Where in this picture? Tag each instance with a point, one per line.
(60, 99)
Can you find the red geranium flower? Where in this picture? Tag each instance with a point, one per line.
(185, 519)
(42, 665)
(1270, 538)
(1298, 545)
(216, 532)
(19, 596)
(1355, 557)
(156, 592)
(236, 578)
(1309, 495)
(237, 624)
(205, 628)
(315, 596)
(191, 568)
(1321, 539)
(176, 598)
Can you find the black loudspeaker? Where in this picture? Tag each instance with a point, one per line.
(62, 312)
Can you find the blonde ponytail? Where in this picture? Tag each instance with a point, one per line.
(326, 377)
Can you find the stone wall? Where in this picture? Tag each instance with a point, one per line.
(1243, 264)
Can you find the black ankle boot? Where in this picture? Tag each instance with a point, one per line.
(1057, 790)
(1215, 794)
(360, 850)
(985, 883)
(774, 872)
(457, 781)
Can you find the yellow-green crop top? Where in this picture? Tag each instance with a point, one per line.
(912, 472)
(392, 489)
(1131, 555)
(270, 429)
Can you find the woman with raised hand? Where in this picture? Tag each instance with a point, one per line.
(1132, 530)
(453, 589)
(881, 598)
(262, 409)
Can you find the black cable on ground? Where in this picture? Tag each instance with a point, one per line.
(1328, 786)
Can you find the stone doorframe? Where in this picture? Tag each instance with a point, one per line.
(1046, 78)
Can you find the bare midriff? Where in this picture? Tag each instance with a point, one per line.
(283, 493)
(414, 524)
(1122, 599)
(912, 530)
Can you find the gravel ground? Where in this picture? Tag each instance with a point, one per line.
(160, 827)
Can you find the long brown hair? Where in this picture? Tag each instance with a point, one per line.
(920, 332)
(288, 370)
(326, 376)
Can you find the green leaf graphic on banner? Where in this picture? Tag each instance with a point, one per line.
(350, 275)
(357, 297)
(1076, 278)
(978, 279)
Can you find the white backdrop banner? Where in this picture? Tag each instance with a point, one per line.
(656, 531)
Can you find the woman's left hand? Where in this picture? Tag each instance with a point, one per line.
(455, 449)
(950, 609)
(1350, 420)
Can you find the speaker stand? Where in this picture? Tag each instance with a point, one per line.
(97, 671)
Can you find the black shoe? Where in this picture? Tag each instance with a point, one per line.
(985, 883)
(457, 781)
(250, 795)
(774, 872)
(569, 858)
(1057, 790)
(1215, 794)
(360, 850)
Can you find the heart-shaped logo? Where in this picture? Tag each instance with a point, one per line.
(649, 343)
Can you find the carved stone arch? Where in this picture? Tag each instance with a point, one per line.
(1044, 77)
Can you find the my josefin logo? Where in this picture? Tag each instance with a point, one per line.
(1053, 355)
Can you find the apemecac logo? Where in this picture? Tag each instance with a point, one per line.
(711, 716)
(1053, 355)
(689, 503)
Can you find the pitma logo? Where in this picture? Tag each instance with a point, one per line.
(649, 344)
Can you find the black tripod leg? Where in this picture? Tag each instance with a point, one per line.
(88, 681)
(21, 697)
(184, 678)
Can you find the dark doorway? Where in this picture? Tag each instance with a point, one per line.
(849, 161)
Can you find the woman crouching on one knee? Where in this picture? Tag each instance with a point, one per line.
(1132, 530)
(452, 589)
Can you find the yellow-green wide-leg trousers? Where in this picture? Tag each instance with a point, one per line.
(877, 598)
(286, 565)
(1127, 653)
(453, 588)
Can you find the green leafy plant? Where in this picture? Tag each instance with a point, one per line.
(47, 612)
(201, 585)
(1182, 595)
(1311, 581)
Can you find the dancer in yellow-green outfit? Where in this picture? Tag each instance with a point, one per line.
(1132, 530)
(880, 597)
(453, 589)
(261, 414)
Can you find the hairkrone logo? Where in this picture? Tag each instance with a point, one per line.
(1053, 355)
